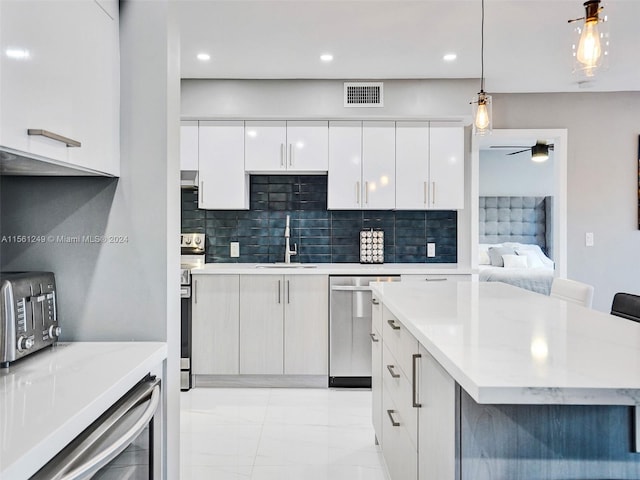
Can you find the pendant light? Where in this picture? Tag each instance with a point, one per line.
(482, 115)
(591, 49)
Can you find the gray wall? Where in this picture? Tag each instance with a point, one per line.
(130, 290)
(514, 175)
(602, 171)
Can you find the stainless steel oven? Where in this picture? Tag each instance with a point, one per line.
(192, 256)
(123, 443)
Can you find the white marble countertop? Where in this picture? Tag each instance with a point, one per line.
(332, 269)
(49, 397)
(507, 345)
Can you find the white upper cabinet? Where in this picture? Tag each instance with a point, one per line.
(446, 166)
(361, 165)
(222, 180)
(286, 146)
(60, 73)
(429, 166)
(189, 145)
(379, 165)
(344, 190)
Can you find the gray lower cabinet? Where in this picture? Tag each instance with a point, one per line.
(215, 324)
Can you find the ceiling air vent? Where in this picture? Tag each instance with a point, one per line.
(363, 94)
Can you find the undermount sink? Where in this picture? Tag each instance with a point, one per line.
(285, 265)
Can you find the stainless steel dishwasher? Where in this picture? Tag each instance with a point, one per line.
(349, 329)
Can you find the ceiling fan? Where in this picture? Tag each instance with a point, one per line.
(539, 151)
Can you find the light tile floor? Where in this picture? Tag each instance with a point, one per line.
(283, 434)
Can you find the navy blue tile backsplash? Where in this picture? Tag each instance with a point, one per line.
(322, 236)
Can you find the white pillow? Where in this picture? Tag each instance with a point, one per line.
(533, 261)
(483, 258)
(537, 251)
(514, 261)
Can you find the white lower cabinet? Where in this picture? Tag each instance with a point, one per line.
(376, 367)
(414, 405)
(284, 324)
(215, 324)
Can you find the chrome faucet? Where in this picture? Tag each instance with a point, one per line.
(287, 248)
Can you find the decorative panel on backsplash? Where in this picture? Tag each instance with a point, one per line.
(322, 236)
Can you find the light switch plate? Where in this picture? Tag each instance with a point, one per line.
(234, 249)
(588, 239)
(431, 250)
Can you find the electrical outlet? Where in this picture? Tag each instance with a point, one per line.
(431, 250)
(588, 239)
(234, 248)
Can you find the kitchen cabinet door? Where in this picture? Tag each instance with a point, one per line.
(261, 324)
(215, 324)
(189, 145)
(376, 368)
(62, 76)
(223, 181)
(306, 324)
(378, 165)
(344, 182)
(307, 146)
(437, 394)
(446, 164)
(265, 146)
(412, 165)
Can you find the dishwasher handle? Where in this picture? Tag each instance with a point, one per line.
(67, 469)
(350, 288)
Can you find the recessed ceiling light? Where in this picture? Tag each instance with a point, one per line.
(204, 57)
(18, 53)
(449, 57)
(326, 57)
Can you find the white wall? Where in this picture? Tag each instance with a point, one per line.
(603, 131)
(514, 175)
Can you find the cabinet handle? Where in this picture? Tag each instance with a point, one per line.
(288, 294)
(69, 142)
(433, 193)
(195, 291)
(373, 338)
(414, 381)
(392, 371)
(357, 193)
(279, 291)
(393, 421)
(291, 154)
(375, 301)
(366, 193)
(393, 324)
(425, 193)
(282, 154)
(439, 279)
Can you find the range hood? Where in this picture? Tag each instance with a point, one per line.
(188, 179)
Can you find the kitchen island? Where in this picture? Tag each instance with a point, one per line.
(48, 398)
(489, 381)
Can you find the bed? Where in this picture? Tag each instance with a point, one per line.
(515, 242)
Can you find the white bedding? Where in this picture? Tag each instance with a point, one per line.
(537, 277)
(534, 279)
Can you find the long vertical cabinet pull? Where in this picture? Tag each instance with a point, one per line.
(291, 154)
(195, 291)
(366, 193)
(433, 193)
(414, 381)
(426, 199)
(357, 193)
(279, 292)
(282, 154)
(288, 293)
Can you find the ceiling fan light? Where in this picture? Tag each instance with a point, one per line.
(540, 153)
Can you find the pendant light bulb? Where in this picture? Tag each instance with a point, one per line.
(589, 49)
(482, 116)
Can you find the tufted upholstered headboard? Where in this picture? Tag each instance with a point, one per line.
(516, 219)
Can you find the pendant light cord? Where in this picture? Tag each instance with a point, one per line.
(482, 50)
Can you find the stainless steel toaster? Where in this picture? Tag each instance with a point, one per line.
(28, 314)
